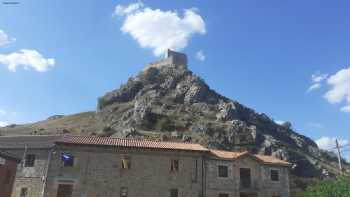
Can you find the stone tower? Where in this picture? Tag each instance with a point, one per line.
(171, 58)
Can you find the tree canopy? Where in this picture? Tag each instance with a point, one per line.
(339, 187)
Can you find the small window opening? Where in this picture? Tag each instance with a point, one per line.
(223, 171)
(126, 163)
(29, 160)
(174, 165)
(275, 175)
(174, 193)
(124, 192)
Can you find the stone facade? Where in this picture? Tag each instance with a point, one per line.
(98, 172)
(31, 178)
(261, 184)
(34, 154)
(107, 167)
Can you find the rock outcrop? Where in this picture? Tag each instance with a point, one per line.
(166, 101)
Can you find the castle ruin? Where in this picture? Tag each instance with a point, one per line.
(171, 58)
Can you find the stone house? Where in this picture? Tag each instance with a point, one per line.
(8, 167)
(106, 167)
(78, 166)
(231, 174)
(131, 168)
(34, 152)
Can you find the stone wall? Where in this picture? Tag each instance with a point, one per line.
(31, 178)
(171, 58)
(260, 178)
(98, 172)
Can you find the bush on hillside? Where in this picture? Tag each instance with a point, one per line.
(339, 187)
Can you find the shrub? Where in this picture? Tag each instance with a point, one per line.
(339, 187)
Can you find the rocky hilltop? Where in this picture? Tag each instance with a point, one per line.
(167, 101)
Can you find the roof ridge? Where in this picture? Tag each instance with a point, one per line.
(137, 139)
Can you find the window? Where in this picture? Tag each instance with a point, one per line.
(275, 175)
(126, 163)
(245, 177)
(68, 160)
(223, 195)
(223, 171)
(24, 192)
(174, 165)
(124, 192)
(195, 173)
(30, 160)
(174, 193)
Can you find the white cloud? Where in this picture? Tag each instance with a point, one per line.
(316, 80)
(314, 87)
(340, 89)
(345, 109)
(2, 112)
(5, 39)
(280, 122)
(28, 59)
(318, 77)
(122, 10)
(328, 143)
(3, 124)
(200, 55)
(158, 29)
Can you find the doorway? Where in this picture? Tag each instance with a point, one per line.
(64, 190)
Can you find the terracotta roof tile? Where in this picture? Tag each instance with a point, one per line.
(272, 160)
(130, 143)
(234, 155)
(226, 154)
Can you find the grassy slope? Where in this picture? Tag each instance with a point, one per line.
(84, 123)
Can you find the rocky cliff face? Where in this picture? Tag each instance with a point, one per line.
(170, 102)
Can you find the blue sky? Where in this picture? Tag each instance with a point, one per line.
(288, 59)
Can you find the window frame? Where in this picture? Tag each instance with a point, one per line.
(31, 158)
(242, 183)
(176, 190)
(278, 174)
(220, 166)
(174, 165)
(126, 162)
(124, 190)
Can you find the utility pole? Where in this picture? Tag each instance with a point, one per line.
(339, 157)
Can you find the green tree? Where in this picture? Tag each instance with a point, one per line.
(339, 187)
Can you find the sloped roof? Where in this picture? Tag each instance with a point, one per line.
(31, 141)
(130, 143)
(235, 155)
